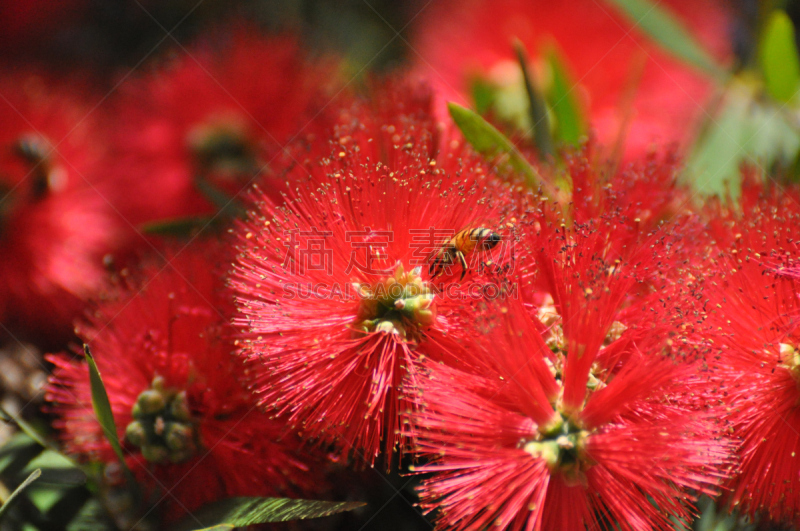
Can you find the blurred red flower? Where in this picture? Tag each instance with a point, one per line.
(334, 292)
(194, 434)
(55, 227)
(191, 135)
(455, 41)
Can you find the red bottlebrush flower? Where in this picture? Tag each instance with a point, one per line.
(213, 119)
(457, 42)
(755, 310)
(193, 432)
(55, 228)
(643, 195)
(580, 420)
(621, 207)
(334, 288)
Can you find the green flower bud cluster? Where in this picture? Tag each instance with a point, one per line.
(560, 443)
(397, 304)
(162, 426)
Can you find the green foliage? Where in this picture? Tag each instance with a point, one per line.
(24, 485)
(490, 142)
(746, 130)
(712, 519)
(23, 426)
(59, 496)
(668, 32)
(179, 227)
(102, 406)
(102, 410)
(536, 106)
(483, 95)
(238, 512)
(570, 125)
(778, 58)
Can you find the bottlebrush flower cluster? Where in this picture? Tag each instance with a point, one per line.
(593, 352)
(334, 284)
(164, 348)
(590, 408)
(754, 309)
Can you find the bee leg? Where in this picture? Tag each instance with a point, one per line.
(436, 268)
(463, 261)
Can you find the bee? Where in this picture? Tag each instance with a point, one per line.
(461, 245)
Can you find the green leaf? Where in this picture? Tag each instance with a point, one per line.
(570, 126)
(92, 516)
(25, 484)
(778, 57)
(102, 406)
(240, 512)
(483, 95)
(667, 31)
(24, 427)
(180, 227)
(228, 205)
(490, 142)
(536, 106)
(16, 453)
(57, 469)
(745, 130)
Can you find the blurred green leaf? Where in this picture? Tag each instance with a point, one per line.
(536, 107)
(102, 406)
(24, 427)
(239, 512)
(666, 30)
(57, 469)
(490, 142)
(483, 95)
(17, 453)
(24, 485)
(215, 196)
(179, 227)
(570, 125)
(745, 130)
(91, 517)
(778, 57)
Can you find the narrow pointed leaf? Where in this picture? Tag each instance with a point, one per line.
(536, 106)
(570, 126)
(778, 57)
(240, 512)
(33, 434)
(102, 406)
(24, 427)
(669, 33)
(25, 484)
(17, 453)
(490, 142)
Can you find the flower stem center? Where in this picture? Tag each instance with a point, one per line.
(561, 444)
(162, 427)
(401, 303)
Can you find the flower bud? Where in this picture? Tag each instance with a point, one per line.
(149, 403)
(154, 453)
(179, 436)
(135, 433)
